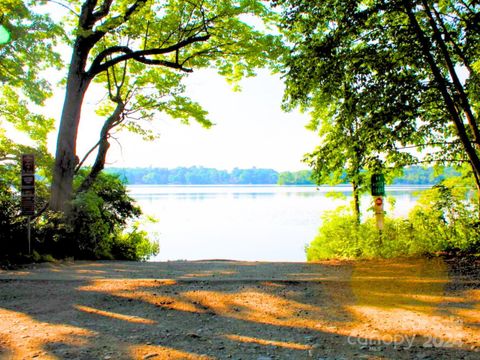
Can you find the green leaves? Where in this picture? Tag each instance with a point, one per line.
(100, 219)
(360, 69)
(29, 51)
(170, 39)
(23, 87)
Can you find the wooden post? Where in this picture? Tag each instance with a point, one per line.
(28, 193)
(379, 213)
(378, 192)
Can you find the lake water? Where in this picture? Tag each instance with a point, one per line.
(255, 223)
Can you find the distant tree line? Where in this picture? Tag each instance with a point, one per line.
(195, 176)
(198, 175)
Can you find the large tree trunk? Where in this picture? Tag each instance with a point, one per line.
(65, 157)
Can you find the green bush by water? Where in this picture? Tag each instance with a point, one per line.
(104, 224)
(445, 219)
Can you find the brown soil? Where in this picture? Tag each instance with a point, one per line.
(401, 309)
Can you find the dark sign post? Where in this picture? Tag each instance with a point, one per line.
(28, 191)
(378, 192)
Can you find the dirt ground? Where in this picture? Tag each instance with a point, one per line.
(401, 309)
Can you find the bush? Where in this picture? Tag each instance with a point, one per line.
(103, 224)
(13, 229)
(134, 245)
(98, 227)
(444, 220)
(341, 237)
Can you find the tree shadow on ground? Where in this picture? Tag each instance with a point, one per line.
(388, 310)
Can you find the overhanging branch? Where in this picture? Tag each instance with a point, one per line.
(99, 66)
(102, 11)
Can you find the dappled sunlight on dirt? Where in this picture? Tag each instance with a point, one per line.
(288, 345)
(148, 291)
(257, 306)
(410, 298)
(468, 314)
(415, 303)
(129, 318)
(162, 352)
(27, 337)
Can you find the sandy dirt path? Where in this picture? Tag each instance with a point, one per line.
(401, 309)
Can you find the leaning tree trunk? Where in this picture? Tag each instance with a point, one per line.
(65, 157)
(103, 145)
(443, 87)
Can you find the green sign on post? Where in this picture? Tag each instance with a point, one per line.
(378, 185)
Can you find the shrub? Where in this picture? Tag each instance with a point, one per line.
(103, 224)
(98, 227)
(341, 237)
(12, 226)
(444, 220)
(447, 219)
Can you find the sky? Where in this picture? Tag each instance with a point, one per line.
(250, 129)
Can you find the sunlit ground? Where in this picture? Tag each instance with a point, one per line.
(217, 310)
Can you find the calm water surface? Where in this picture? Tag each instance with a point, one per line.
(256, 223)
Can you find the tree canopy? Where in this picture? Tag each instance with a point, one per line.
(141, 50)
(395, 67)
(23, 59)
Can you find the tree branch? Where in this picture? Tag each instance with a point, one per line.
(80, 164)
(102, 11)
(442, 85)
(455, 46)
(86, 20)
(65, 6)
(453, 74)
(427, 144)
(103, 145)
(105, 9)
(140, 55)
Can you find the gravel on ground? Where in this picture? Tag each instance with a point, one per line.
(220, 309)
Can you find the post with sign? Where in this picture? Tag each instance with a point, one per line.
(28, 191)
(378, 192)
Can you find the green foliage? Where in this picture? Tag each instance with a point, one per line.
(98, 224)
(22, 89)
(104, 224)
(303, 177)
(444, 220)
(381, 77)
(30, 49)
(196, 176)
(341, 236)
(134, 245)
(12, 227)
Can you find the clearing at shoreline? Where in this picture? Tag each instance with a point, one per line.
(385, 309)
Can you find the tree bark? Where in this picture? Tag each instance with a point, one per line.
(103, 146)
(65, 157)
(464, 102)
(356, 202)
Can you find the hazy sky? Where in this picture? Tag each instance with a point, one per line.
(251, 129)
